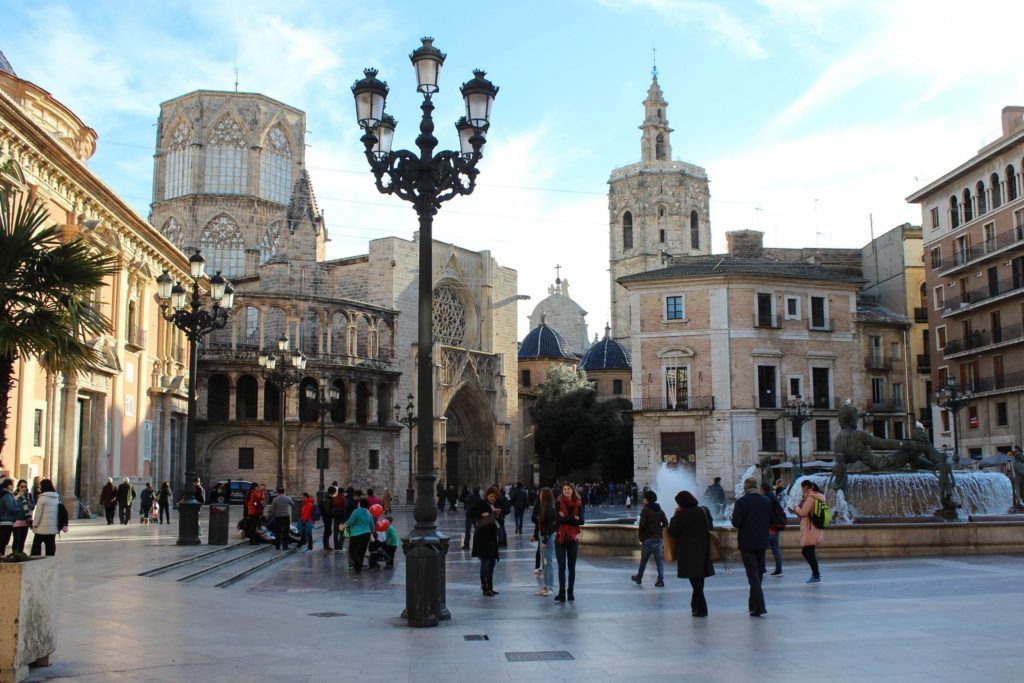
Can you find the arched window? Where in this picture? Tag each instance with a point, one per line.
(226, 159)
(274, 326)
(954, 212)
(694, 230)
(309, 332)
(269, 241)
(659, 147)
(308, 406)
(248, 327)
(271, 403)
(362, 402)
(217, 390)
(449, 318)
(627, 231)
(178, 163)
(339, 331)
(982, 201)
(997, 198)
(246, 393)
(968, 207)
(276, 169)
(338, 407)
(173, 231)
(1011, 183)
(223, 247)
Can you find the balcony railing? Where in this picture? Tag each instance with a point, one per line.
(1006, 380)
(963, 257)
(877, 361)
(822, 325)
(886, 405)
(767, 401)
(924, 363)
(817, 402)
(977, 296)
(702, 403)
(250, 352)
(135, 337)
(920, 314)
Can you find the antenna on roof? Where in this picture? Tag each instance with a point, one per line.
(236, 66)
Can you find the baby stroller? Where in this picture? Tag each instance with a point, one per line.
(154, 514)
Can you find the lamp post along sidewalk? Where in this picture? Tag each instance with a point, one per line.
(954, 398)
(799, 412)
(325, 399)
(283, 369)
(409, 420)
(425, 180)
(190, 315)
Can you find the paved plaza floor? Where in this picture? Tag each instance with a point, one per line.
(306, 618)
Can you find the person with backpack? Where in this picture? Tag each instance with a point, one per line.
(649, 529)
(46, 519)
(812, 511)
(775, 529)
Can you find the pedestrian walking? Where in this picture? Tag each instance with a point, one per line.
(255, 500)
(339, 502)
(163, 497)
(567, 545)
(146, 499)
(46, 520)
(520, 501)
(125, 497)
(547, 525)
(505, 509)
(691, 527)
(714, 496)
(306, 519)
(9, 512)
(472, 501)
(281, 513)
(326, 506)
(108, 500)
(775, 530)
(359, 526)
(23, 498)
(442, 496)
(810, 535)
(199, 491)
(484, 515)
(752, 515)
(385, 501)
(649, 529)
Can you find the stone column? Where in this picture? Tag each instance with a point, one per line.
(350, 402)
(371, 408)
(260, 389)
(64, 460)
(232, 395)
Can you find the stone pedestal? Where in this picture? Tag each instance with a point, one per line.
(28, 616)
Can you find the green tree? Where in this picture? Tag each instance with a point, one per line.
(47, 310)
(576, 435)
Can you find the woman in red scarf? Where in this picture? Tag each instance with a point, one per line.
(567, 544)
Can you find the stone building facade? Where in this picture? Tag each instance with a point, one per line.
(229, 179)
(125, 418)
(658, 209)
(563, 314)
(973, 224)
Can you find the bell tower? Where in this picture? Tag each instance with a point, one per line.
(655, 143)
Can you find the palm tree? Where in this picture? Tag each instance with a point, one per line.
(47, 286)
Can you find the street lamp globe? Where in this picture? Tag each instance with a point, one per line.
(370, 94)
(178, 295)
(164, 283)
(311, 393)
(427, 60)
(229, 297)
(385, 133)
(197, 265)
(334, 393)
(479, 95)
(217, 285)
(282, 343)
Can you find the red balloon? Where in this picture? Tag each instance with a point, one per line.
(382, 524)
(376, 510)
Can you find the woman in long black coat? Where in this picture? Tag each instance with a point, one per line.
(485, 516)
(691, 526)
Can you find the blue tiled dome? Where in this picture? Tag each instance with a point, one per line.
(606, 354)
(545, 342)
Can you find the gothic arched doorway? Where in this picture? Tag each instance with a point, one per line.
(469, 449)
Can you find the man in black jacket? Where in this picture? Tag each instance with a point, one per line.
(471, 500)
(520, 501)
(752, 515)
(652, 521)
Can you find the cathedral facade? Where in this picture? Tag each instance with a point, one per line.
(229, 180)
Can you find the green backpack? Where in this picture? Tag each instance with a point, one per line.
(821, 515)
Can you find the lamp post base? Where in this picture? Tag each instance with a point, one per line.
(425, 579)
(188, 522)
(410, 496)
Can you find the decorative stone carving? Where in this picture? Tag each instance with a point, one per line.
(449, 317)
(227, 133)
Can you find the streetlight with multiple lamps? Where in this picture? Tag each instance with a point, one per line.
(409, 420)
(799, 412)
(195, 318)
(282, 368)
(325, 399)
(426, 180)
(953, 398)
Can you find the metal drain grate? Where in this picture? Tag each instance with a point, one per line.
(548, 656)
(327, 615)
(475, 636)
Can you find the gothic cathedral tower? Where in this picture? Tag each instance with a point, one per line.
(658, 209)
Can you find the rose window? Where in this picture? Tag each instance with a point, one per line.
(449, 317)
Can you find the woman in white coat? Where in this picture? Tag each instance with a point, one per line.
(45, 523)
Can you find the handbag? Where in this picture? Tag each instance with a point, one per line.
(714, 545)
(485, 522)
(668, 545)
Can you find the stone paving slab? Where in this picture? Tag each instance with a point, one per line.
(905, 620)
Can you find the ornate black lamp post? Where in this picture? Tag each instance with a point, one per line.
(409, 420)
(425, 180)
(282, 368)
(325, 399)
(190, 316)
(953, 398)
(799, 412)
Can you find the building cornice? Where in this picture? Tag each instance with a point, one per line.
(977, 160)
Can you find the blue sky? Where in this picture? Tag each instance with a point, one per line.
(809, 115)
